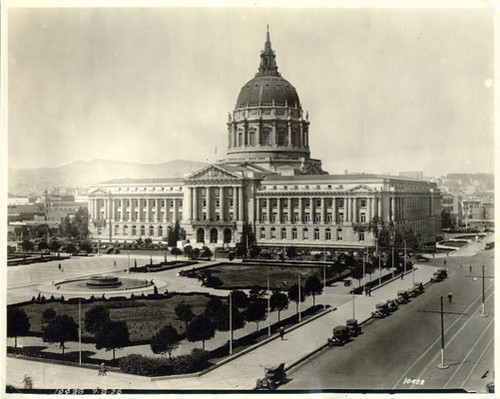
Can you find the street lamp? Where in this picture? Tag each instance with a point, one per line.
(442, 365)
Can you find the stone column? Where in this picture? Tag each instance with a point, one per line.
(369, 209)
(222, 210)
(290, 210)
(301, 135)
(334, 210)
(176, 210)
(355, 210)
(165, 210)
(301, 209)
(269, 210)
(347, 209)
(323, 210)
(148, 218)
(289, 126)
(393, 206)
(195, 203)
(373, 207)
(379, 207)
(240, 204)
(279, 211)
(209, 203)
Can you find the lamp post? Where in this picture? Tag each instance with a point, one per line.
(268, 309)
(230, 324)
(379, 270)
(364, 276)
(404, 261)
(300, 297)
(442, 365)
(80, 332)
(353, 308)
(324, 283)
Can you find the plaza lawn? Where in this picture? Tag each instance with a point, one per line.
(144, 317)
(238, 276)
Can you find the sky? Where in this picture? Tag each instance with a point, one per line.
(387, 90)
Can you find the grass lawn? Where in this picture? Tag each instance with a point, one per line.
(244, 276)
(144, 317)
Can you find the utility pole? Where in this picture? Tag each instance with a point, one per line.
(300, 297)
(324, 283)
(230, 324)
(80, 332)
(442, 365)
(379, 271)
(392, 262)
(404, 265)
(353, 308)
(483, 278)
(364, 276)
(268, 309)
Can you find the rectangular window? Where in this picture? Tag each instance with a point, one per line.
(231, 202)
(204, 216)
(264, 217)
(273, 233)
(307, 217)
(217, 216)
(340, 202)
(341, 217)
(204, 202)
(328, 217)
(305, 233)
(316, 234)
(295, 217)
(317, 217)
(361, 236)
(116, 229)
(285, 217)
(275, 217)
(363, 203)
(294, 234)
(231, 216)
(328, 235)
(283, 234)
(363, 218)
(217, 203)
(339, 235)
(262, 233)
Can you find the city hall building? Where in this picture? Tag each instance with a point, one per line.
(268, 185)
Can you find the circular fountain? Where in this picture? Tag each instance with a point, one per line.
(101, 284)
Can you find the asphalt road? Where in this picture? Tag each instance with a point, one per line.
(402, 351)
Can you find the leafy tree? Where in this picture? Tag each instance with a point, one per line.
(291, 252)
(256, 312)
(76, 227)
(54, 244)
(28, 245)
(222, 318)
(61, 329)
(195, 253)
(70, 248)
(176, 252)
(206, 252)
(293, 295)
(279, 301)
(256, 292)
(42, 245)
(188, 249)
(184, 312)
(213, 281)
(85, 245)
(42, 230)
(148, 241)
(200, 328)
(446, 220)
(213, 305)
(357, 273)
(113, 335)
(313, 286)
(239, 299)
(174, 234)
(254, 251)
(18, 323)
(95, 318)
(48, 315)
(165, 340)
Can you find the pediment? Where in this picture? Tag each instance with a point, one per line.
(361, 188)
(99, 191)
(213, 172)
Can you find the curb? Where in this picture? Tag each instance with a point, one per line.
(392, 279)
(244, 351)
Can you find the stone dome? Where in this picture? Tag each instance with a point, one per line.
(268, 90)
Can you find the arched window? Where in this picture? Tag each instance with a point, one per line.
(134, 230)
(151, 230)
(282, 137)
(160, 231)
(240, 138)
(265, 137)
(143, 230)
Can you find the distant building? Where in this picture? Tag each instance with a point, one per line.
(268, 189)
(15, 200)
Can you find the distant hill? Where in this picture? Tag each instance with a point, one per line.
(84, 174)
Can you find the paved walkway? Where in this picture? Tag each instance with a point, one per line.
(240, 373)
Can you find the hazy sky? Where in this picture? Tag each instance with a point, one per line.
(386, 89)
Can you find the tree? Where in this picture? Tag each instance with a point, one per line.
(313, 286)
(254, 251)
(174, 234)
(188, 249)
(222, 318)
(48, 315)
(176, 252)
(165, 340)
(291, 252)
(239, 299)
(42, 245)
(113, 335)
(96, 317)
(200, 328)
(61, 329)
(18, 323)
(357, 273)
(70, 248)
(28, 245)
(293, 295)
(77, 226)
(279, 301)
(85, 245)
(206, 252)
(184, 312)
(213, 305)
(256, 312)
(256, 292)
(446, 220)
(54, 244)
(148, 241)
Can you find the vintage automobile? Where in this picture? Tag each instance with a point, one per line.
(439, 275)
(381, 310)
(273, 377)
(353, 327)
(392, 305)
(418, 287)
(340, 336)
(403, 297)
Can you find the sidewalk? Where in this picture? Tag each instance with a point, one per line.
(240, 373)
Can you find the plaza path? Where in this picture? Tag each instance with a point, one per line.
(240, 373)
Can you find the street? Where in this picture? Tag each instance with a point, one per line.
(402, 351)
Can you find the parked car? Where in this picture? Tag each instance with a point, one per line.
(381, 310)
(439, 275)
(403, 297)
(340, 336)
(273, 377)
(392, 305)
(353, 327)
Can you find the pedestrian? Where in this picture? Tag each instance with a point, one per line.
(102, 370)
(114, 263)
(282, 333)
(401, 275)
(59, 266)
(470, 268)
(28, 383)
(450, 297)
(369, 291)
(445, 263)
